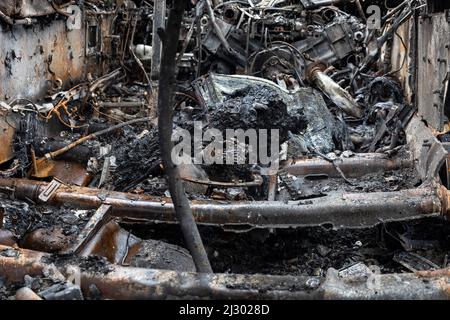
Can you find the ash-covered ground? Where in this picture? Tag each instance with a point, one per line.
(312, 251)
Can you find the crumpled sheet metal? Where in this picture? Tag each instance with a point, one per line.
(427, 150)
(318, 135)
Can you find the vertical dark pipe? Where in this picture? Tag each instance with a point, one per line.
(167, 81)
(159, 20)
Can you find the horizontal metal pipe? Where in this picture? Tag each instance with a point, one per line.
(119, 282)
(79, 154)
(136, 283)
(312, 4)
(355, 166)
(122, 104)
(353, 210)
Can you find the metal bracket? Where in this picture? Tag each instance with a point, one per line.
(94, 224)
(48, 192)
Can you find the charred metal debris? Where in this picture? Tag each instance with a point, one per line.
(357, 209)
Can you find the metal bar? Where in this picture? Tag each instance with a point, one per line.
(122, 104)
(312, 4)
(353, 210)
(257, 181)
(159, 21)
(135, 283)
(355, 166)
(167, 83)
(217, 29)
(57, 153)
(94, 224)
(50, 190)
(273, 179)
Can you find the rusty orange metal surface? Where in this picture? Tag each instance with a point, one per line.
(112, 242)
(35, 61)
(6, 138)
(46, 240)
(68, 172)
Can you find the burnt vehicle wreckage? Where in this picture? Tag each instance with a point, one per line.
(92, 91)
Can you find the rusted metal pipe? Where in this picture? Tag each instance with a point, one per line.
(121, 104)
(355, 166)
(257, 181)
(135, 283)
(54, 154)
(167, 81)
(339, 96)
(352, 210)
(100, 81)
(216, 27)
(159, 21)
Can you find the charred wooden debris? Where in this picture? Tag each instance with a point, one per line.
(353, 97)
